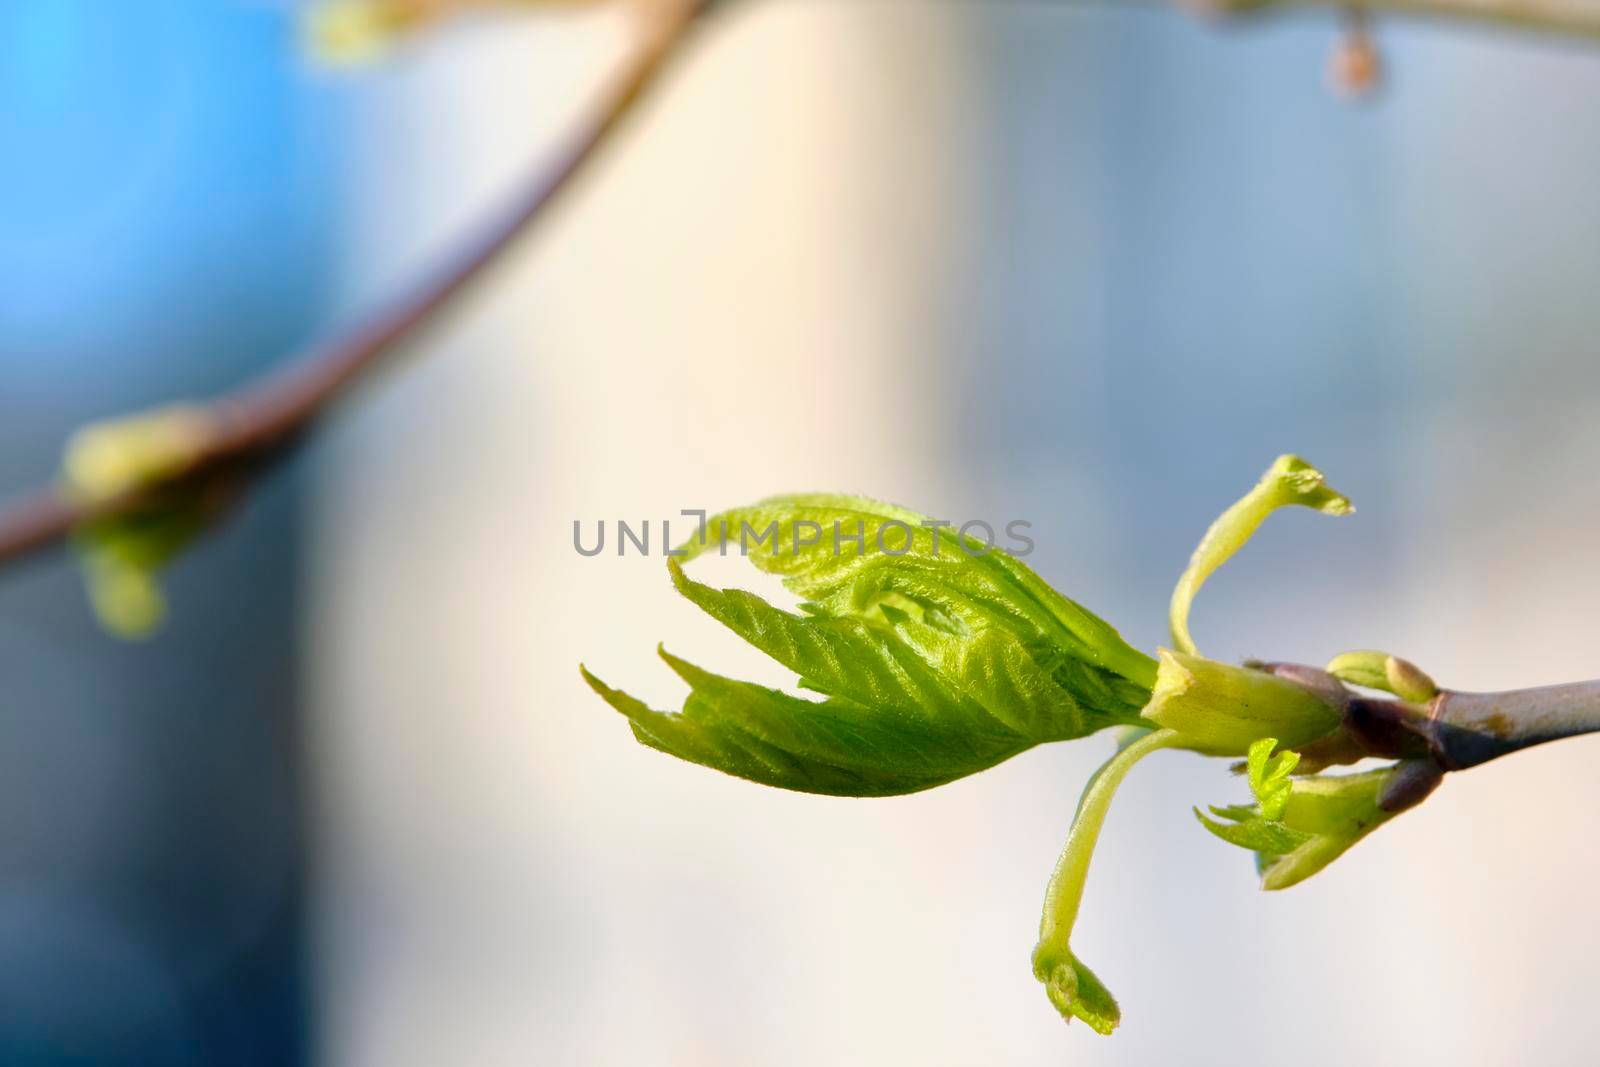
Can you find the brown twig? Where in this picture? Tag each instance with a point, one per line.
(1452, 729)
(1577, 18)
(1461, 730)
(260, 422)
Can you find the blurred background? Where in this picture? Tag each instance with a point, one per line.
(1084, 265)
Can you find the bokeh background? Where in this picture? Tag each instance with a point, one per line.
(1088, 266)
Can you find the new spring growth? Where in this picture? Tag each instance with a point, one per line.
(121, 556)
(356, 31)
(927, 663)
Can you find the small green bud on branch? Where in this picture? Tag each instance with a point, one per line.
(1223, 710)
(1379, 670)
(357, 31)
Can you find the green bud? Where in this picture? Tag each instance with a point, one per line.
(355, 31)
(127, 599)
(123, 556)
(108, 459)
(1221, 710)
(340, 32)
(1073, 989)
(1334, 811)
(1318, 821)
(1379, 670)
(1364, 668)
(1408, 682)
(146, 455)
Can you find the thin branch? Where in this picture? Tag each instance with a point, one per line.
(1460, 730)
(1580, 18)
(1474, 728)
(1574, 18)
(260, 422)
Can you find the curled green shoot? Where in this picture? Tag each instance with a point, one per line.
(1071, 986)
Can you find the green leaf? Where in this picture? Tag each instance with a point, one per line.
(1247, 828)
(834, 747)
(856, 555)
(1298, 833)
(1269, 776)
(937, 656)
(1258, 828)
(1075, 991)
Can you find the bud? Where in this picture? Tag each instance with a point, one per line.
(1221, 710)
(108, 459)
(340, 32)
(1318, 820)
(1073, 989)
(151, 454)
(1379, 670)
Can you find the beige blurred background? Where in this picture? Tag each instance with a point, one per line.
(1088, 267)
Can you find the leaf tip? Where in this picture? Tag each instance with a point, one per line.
(680, 581)
(1301, 483)
(1074, 990)
(690, 673)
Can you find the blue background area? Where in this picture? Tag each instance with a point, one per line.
(163, 217)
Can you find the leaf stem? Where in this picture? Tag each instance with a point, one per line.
(1065, 892)
(1289, 481)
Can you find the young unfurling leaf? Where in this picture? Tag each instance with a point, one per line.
(936, 655)
(1259, 828)
(1269, 776)
(931, 656)
(1297, 833)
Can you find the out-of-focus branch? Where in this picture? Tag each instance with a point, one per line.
(248, 429)
(1571, 17)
